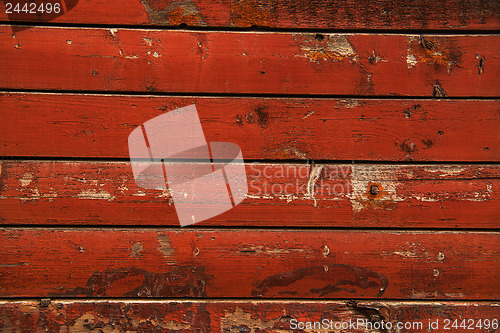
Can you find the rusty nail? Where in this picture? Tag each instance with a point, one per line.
(374, 189)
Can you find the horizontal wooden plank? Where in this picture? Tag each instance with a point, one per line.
(266, 263)
(330, 14)
(243, 316)
(320, 195)
(246, 62)
(265, 128)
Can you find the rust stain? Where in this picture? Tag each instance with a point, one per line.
(185, 15)
(346, 278)
(329, 47)
(440, 52)
(247, 13)
(288, 153)
(370, 191)
(376, 197)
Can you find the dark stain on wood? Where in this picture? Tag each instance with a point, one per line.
(181, 281)
(345, 277)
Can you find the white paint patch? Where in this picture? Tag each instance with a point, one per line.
(34, 194)
(123, 188)
(311, 182)
(425, 199)
(251, 196)
(259, 249)
(446, 170)
(95, 195)
(348, 103)
(289, 197)
(334, 47)
(51, 195)
(310, 113)
(406, 254)
(411, 60)
(232, 321)
(26, 179)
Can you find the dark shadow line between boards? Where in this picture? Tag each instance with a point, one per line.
(128, 93)
(255, 28)
(244, 299)
(27, 158)
(216, 228)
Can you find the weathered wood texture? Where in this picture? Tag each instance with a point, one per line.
(234, 316)
(304, 14)
(265, 263)
(244, 62)
(320, 195)
(265, 128)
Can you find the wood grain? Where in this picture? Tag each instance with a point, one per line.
(232, 316)
(303, 14)
(64, 125)
(95, 59)
(319, 195)
(266, 263)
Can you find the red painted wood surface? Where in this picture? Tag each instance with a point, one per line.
(245, 62)
(422, 94)
(265, 263)
(304, 14)
(272, 128)
(320, 195)
(235, 315)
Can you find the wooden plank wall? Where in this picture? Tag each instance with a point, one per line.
(370, 131)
